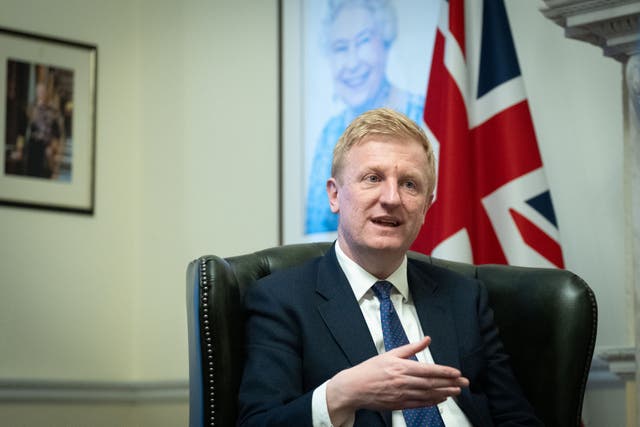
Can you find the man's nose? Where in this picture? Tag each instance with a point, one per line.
(389, 193)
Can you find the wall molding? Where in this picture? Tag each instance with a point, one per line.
(612, 367)
(619, 361)
(20, 390)
(612, 25)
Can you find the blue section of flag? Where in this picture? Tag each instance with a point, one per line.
(542, 204)
(498, 60)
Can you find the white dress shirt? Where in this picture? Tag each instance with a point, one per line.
(361, 282)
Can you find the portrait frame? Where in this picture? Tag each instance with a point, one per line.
(47, 119)
(307, 97)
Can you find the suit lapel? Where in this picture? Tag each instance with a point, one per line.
(342, 315)
(431, 304)
(341, 312)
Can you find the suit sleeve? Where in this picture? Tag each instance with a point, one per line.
(271, 390)
(505, 399)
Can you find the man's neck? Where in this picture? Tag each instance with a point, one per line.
(378, 263)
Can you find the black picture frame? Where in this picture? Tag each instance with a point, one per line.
(48, 122)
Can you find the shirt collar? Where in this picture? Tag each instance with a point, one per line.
(361, 280)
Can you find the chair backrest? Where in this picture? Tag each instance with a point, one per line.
(547, 320)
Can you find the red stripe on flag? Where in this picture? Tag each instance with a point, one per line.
(538, 239)
(484, 240)
(446, 115)
(507, 140)
(456, 22)
(445, 112)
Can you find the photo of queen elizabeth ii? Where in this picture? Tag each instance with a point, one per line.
(358, 38)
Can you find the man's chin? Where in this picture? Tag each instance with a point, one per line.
(387, 244)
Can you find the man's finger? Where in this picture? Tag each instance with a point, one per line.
(411, 349)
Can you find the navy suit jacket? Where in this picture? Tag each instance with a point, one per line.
(304, 325)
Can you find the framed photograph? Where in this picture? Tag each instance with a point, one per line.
(339, 59)
(47, 120)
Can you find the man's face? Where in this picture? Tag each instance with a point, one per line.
(381, 196)
(357, 54)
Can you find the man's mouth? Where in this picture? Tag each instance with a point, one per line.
(386, 222)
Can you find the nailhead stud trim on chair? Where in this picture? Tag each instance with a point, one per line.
(210, 366)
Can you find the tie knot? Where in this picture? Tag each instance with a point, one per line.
(382, 289)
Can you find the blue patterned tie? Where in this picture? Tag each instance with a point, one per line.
(394, 336)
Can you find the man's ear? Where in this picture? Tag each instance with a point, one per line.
(332, 193)
(429, 203)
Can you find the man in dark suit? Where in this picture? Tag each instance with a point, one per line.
(363, 336)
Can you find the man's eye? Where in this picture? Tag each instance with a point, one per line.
(410, 185)
(372, 178)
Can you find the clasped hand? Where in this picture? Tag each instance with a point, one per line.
(392, 381)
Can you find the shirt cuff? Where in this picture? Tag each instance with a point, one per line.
(320, 411)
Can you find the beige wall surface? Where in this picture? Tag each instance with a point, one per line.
(208, 166)
(164, 414)
(187, 164)
(179, 173)
(66, 299)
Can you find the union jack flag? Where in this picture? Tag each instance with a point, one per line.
(493, 203)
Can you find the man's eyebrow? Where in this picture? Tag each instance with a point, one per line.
(372, 169)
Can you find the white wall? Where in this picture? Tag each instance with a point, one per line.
(575, 95)
(187, 165)
(209, 156)
(66, 281)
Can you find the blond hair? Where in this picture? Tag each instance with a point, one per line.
(388, 123)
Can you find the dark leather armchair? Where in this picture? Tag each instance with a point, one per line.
(547, 320)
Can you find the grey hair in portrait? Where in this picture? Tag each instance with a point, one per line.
(383, 12)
